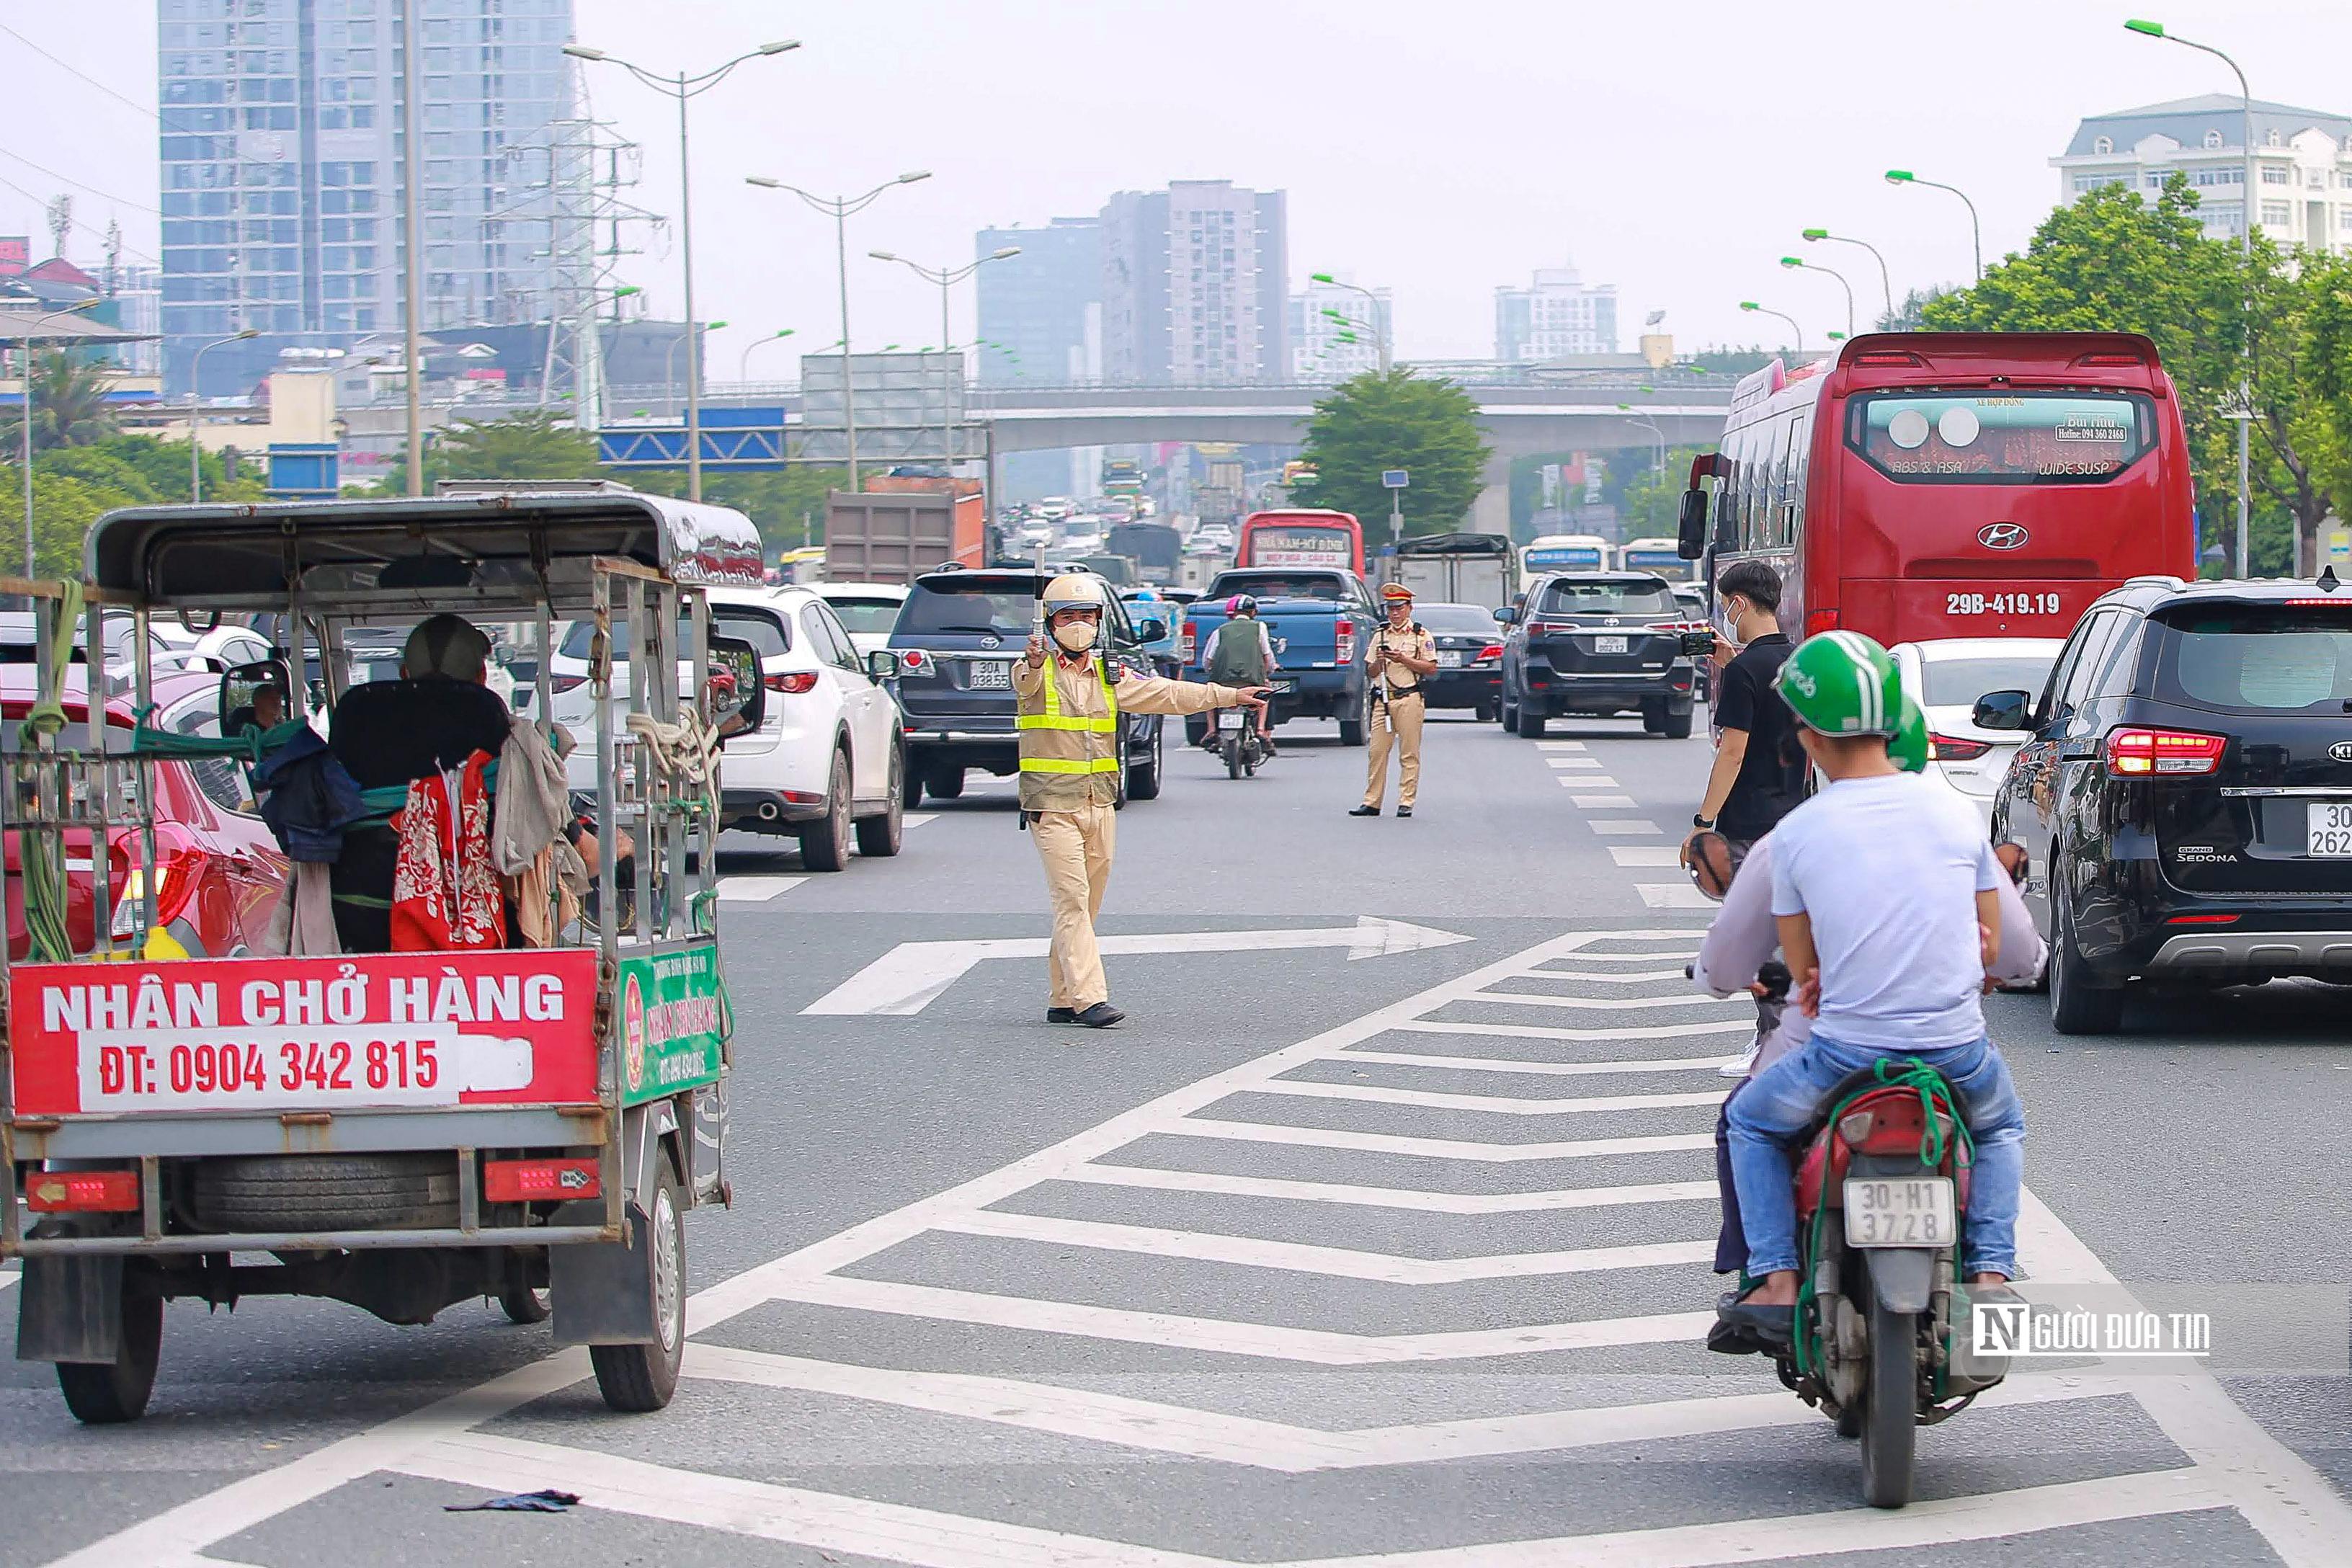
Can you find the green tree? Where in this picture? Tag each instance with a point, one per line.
(538, 445)
(163, 466)
(1426, 425)
(1650, 503)
(64, 507)
(69, 407)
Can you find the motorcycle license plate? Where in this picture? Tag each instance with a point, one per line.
(991, 675)
(1901, 1212)
(1229, 719)
(1609, 645)
(2328, 831)
(1449, 658)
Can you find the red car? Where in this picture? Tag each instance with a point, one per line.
(220, 869)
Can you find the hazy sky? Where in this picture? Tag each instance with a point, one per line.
(1674, 149)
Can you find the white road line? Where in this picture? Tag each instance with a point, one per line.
(1604, 802)
(1573, 761)
(1645, 854)
(1642, 977)
(1673, 895)
(1623, 827)
(1659, 955)
(755, 890)
(1432, 1148)
(1587, 781)
(1531, 999)
(1538, 1032)
(929, 1538)
(1411, 1198)
(1155, 1427)
(1545, 1069)
(1493, 1104)
(1275, 1342)
(917, 818)
(1301, 1258)
(1560, 746)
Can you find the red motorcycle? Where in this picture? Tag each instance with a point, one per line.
(1881, 1344)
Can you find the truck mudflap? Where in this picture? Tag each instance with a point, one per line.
(603, 1291)
(69, 1308)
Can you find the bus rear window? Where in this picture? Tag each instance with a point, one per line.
(2014, 438)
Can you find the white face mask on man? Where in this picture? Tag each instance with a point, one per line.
(1076, 635)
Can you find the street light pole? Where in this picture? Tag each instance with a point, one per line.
(2247, 208)
(412, 244)
(1752, 306)
(743, 365)
(1799, 262)
(841, 209)
(1975, 233)
(1379, 327)
(196, 412)
(947, 277)
(669, 358)
(683, 88)
(1886, 284)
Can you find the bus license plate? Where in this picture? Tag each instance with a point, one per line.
(1910, 1212)
(990, 675)
(1449, 658)
(1229, 719)
(2329, 831)
(1609, 645)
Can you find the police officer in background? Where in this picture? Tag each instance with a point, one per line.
(1400, 653)
(1071, 760)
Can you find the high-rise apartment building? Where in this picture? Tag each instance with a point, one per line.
(1558, 316)
(1195, 287)
(1324, 347)
(1041, 312)
(2303, 164)
(282, 168)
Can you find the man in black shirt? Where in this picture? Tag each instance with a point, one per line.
(1760, 769)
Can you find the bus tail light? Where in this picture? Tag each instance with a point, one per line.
(2146, 753)
(1820, 621)
(1187, 644)
(1343, 648)
(1955, 749)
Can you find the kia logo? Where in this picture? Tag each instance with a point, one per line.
(2001, 536)
(2341, 751)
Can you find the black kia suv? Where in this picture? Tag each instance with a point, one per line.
(1594, 644)
(2184, 795)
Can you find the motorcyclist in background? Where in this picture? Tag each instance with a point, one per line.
(1242, 654)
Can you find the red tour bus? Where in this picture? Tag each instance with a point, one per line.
(1302, 536)
(1951, 484)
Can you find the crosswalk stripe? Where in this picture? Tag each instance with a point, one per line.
(1586, 781)
(1645, 854)
(1604, 802)
(1623, 827)
(1542, 1069)
(1412, 1198)
(1493, 1104)
(755, 890)
(1673, 895)
(1432, 1148)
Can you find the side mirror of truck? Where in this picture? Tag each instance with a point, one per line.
(1690, 539)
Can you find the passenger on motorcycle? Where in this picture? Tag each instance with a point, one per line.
(1742, 949)
(1885, 894)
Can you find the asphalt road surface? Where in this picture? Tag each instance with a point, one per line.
(1378, 1236)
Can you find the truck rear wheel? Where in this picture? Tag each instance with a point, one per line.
(641, 1378)
(105, 1393)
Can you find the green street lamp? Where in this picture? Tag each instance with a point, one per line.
(1379, 327)
(743, 365)
(1750, 305)
(1975, 233)
(1886, 284)
(1800, 264)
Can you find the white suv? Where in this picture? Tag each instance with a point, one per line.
(825, 765)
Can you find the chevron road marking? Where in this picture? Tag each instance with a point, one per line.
(1430, 1148)
(1549, 1069)
(1152, 1177)
(1496, 1104)
(1544, 1032)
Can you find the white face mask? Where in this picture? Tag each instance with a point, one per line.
(1076, 635)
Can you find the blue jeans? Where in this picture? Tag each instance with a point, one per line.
(1767, 1117)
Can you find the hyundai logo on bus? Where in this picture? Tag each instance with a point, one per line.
(2002, 535)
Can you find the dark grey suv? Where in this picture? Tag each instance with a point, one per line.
(1591, 644)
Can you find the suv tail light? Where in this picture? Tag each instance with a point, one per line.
(1187, 644)
(1820, 621)
(2146, 753)
(1955, 749)
(793, 681)
(1343, 648)
(913, 660)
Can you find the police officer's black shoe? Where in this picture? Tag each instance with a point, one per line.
(1405, 811)
(1061, 1015)
(1101, 1015)
(1365, 811)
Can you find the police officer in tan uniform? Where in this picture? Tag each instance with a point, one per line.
(1400, 653)
(1069, 702)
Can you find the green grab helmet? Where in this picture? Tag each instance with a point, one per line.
(1909, 745)
(1843, 683)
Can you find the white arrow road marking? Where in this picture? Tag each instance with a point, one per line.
(1388, 1197)
(913, 975)
(1300, 1258)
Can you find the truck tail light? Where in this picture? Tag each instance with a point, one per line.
(1187, 644)
(1955, 748)
(1820, 621)
(1343, 649)
(540, 1181)
(2147, 753)
(793, 680)
(82, 1192)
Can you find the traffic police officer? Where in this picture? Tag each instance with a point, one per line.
(1401, 653)
(1071, 759)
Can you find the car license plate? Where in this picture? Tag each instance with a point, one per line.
(990, 675)
(1449, 658)
(1229, 718)
(1609, 645)
(1905, 1212)
(1286, 686)
(2329, 831)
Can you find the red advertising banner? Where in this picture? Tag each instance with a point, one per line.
(303, 1034)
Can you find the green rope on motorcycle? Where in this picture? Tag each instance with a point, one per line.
(47, 939)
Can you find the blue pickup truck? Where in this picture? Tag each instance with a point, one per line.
(1319, 619)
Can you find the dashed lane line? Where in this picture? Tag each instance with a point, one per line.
(1645, 854)
(1621, 827)
(1604, 802)
(1673, 895)
(1586, 781)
